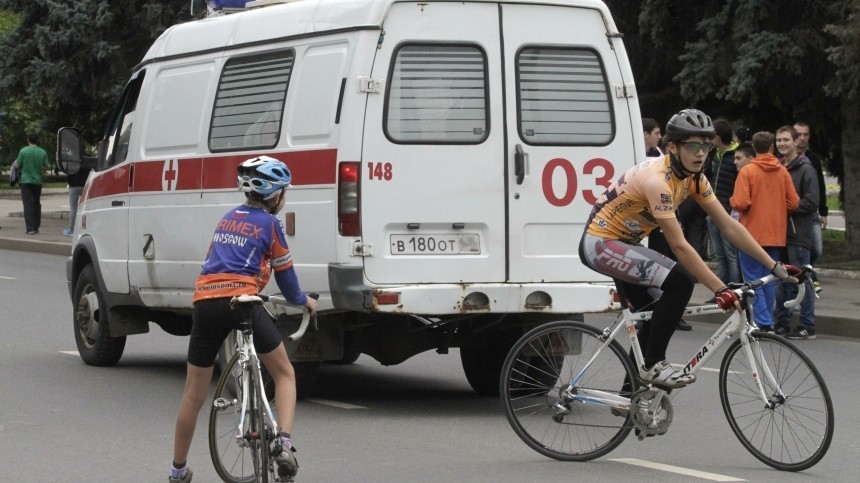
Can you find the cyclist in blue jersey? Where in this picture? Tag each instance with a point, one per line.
(248, 245)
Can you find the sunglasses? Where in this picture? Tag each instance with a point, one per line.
(694, 147)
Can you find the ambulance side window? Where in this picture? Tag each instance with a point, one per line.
(437, 94)
(249, 104)
(113, 149)
(563, 97)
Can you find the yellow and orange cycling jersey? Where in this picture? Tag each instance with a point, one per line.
(628, 210)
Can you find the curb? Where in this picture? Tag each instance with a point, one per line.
(36, 246)
(824, 324)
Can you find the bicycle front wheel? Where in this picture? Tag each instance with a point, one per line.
(537, 370)
(259, 429)
(232, 457)
(793, 434)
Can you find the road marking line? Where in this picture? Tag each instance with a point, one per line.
(70, 353)
(676, 469)
(7, 278)
(337, 404)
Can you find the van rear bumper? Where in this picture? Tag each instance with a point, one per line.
(350, 291)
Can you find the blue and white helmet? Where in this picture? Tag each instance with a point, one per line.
(262, 178)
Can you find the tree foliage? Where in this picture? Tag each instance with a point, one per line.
(66, 62)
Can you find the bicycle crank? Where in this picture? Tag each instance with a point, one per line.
(652, 412)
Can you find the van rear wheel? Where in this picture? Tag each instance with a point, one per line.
(482, 364)
(92, 333)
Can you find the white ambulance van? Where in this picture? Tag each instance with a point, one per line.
(445, 156)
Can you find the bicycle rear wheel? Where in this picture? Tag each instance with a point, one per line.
(796, 433)
(233, 459)
(540, 366)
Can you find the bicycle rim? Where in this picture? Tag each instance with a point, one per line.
(794, 435)
(539, 367)
(233, 461)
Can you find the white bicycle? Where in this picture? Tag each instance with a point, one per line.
(243, 431)
(571, 392)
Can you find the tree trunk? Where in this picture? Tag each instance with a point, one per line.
(851, 163)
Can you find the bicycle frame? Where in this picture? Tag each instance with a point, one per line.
(737, 324)
(248, 353)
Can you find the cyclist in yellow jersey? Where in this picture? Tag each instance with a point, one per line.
(645, 197)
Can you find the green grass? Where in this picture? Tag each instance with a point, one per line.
(835, 252)
(833, 203)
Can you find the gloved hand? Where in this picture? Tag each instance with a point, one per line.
(788, 273)
(727, 299)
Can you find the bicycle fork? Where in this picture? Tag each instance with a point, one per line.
(778, 398)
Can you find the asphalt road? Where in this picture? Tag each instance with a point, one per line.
(419, 421)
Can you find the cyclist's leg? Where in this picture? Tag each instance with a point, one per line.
(642, 266)
(273, 355)
(208, 332)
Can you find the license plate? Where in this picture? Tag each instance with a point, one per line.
(437, 244)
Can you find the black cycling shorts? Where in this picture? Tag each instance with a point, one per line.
(213, 320)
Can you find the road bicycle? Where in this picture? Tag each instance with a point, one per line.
(243, 430)
(572, 392)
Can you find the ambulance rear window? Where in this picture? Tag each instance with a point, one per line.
(563, 97)
(437, 94)
(249, 104)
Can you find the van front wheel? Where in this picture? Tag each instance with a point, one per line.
(92, 334)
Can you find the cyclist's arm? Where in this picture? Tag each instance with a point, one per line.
(288, 283)
(737, 235)
(687, 255)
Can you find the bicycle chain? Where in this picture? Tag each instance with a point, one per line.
(651, 424)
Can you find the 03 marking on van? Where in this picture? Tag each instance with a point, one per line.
(441, 244)
(569, 173)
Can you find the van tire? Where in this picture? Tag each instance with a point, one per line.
(306, 376)
(91, 326)
(482, 364)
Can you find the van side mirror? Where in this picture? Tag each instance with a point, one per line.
(70, 147)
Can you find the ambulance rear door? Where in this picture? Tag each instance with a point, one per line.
(568, 118)
(432, 170)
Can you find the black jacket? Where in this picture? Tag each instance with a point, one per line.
(806, 184)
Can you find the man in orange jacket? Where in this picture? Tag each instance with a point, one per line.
(764, 195)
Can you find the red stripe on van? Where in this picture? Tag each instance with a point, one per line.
(107, 183)
(167, 175)
(217, 172)
(307, 167)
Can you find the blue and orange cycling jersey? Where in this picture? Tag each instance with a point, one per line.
(247, 246)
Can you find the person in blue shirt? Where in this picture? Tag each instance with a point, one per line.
(248, 246)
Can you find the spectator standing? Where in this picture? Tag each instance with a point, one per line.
(819, 220)
(32, 162)
(764, 196)
(76, 187)
(651, 130)
(722, 175)
(799, 235)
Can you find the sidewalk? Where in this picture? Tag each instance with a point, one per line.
(837, 312)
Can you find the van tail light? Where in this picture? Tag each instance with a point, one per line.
(348, 199)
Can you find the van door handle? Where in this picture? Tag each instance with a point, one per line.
(520, 164)
(117, 203)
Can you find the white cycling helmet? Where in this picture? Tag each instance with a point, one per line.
(262, 178)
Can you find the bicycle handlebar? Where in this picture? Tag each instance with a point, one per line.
(280, 300)
(306, 315)
(801, 291)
